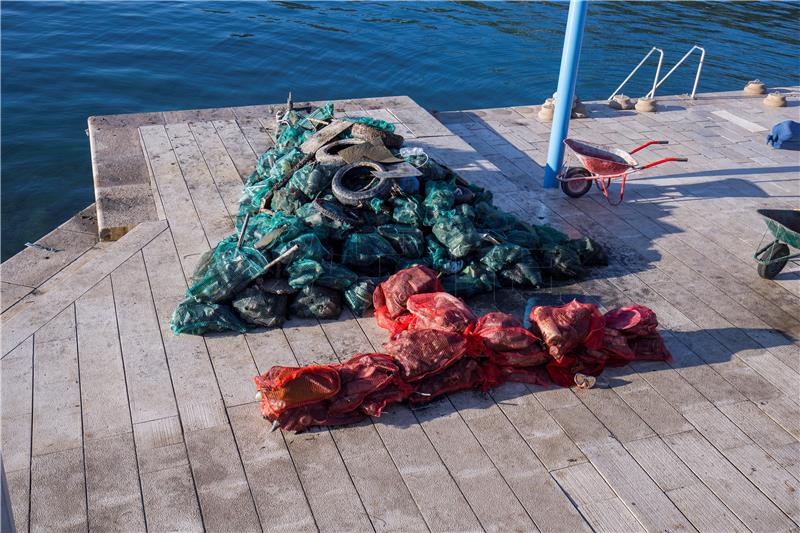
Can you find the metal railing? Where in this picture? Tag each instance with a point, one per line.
(656, 81)
(655, 78)
(696, 77)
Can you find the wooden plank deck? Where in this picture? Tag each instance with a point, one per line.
(110, 422)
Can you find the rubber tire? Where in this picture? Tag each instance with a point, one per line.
(776, 251)
(327, 154)
(356, 198)
(585, 185)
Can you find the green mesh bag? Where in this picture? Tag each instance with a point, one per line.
(501, 255)
(525, 273)
(440, 196)
(562, 261)
(310, 247)
(286, 228)
(437, 253)
(358, 296)
(226, 272)
(261, 308)
(407, 240)
(589, 251)
(373, 122)
(312, 179)
(407, 211)
(300, 127)
(316, 302)
(473, 279)
(323, 226)
(328, 274)
(457, 233)
(549, 237)
(288, 200)
(196, 318)
(365, 249)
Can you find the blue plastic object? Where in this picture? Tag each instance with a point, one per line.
(567, 77)
(784, 132)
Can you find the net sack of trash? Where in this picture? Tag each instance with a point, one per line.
(439, 346)
(337, 205)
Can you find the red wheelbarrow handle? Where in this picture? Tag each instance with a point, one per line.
(665, 160)
(645, 145)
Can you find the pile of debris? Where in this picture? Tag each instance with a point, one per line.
(338, 205)
(438, 345)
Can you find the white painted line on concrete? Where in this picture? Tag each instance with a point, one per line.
(739, 121)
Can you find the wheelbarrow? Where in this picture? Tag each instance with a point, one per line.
(784, 224)
(601, 165)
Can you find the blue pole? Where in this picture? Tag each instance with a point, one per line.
(567, 77)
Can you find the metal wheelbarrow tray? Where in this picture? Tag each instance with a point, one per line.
(601, 165)
(784, 224)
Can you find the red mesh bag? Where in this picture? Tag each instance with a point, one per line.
(423, 352)
(390, 297)
(395, 392)
(285, 387)
(360, 376)
(650, 348)
(535, 375)
(317, 414)
(632, 320)
(504, 339)
(464, 374)
(615, 348)
(566, 327)
(439, 310)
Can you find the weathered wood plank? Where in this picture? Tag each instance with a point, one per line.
(214, 216)
(279, 498)
(237, 146)
(187, 230)
(112, 477)
(56, 387)
(104, 394)
(58, 494)
(729, 485)
(542, 433)
(112, 484)
(16, 379)
(34, 316)
(592, 495)
(536, 490)
(219, 162)
(704, 510)
(146, 367)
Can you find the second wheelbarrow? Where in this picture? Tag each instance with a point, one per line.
(601, 165)
(784, 224)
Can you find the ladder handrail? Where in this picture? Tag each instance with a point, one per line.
(696, 77)
(655, 79)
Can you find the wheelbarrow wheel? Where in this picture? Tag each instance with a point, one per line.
(776, 258)
(575, 188)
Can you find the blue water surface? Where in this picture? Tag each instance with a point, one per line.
(62, 62)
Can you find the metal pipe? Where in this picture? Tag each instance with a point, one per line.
(567, 77)
(658, 70)
(647, 55)
(699, 68)
(667, 75)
